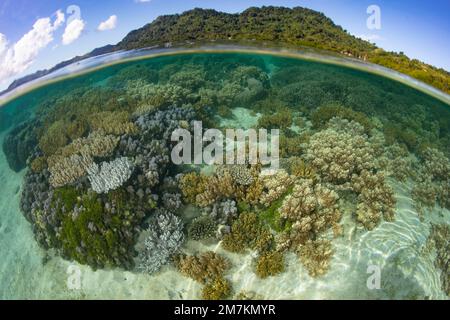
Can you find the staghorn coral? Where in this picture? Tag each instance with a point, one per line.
(203, 267)
(218, 289)
(109, 175)
(316, 256)
(164, 238)
(269, 264)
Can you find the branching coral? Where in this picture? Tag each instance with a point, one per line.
(275, 186)
(247, 232)
(311, 208)
(109, 175)
(376, 199)
(218, 289)
(203, 267)
(202, 227)
(433, 180)
(222, 211)
(55, 137)
(337, 154)
(269, 264)
(65, 171)
(323, 114)
(316, 256)
(73, 161)
(440, 235)
(164, 238)
(116, 123)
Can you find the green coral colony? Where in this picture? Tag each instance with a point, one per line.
(100, 188)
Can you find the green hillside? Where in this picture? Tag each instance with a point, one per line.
(293, 27)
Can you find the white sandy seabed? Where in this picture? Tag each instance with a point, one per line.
(397, 248)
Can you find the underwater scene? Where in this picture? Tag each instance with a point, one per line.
(93, 207)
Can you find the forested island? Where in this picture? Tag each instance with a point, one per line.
(291, 27)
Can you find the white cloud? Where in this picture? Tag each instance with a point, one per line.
(73, 31)
(18, 57)
(59, 19)
(142, 1)
(109, 24)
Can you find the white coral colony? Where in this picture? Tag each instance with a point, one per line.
(110, 175)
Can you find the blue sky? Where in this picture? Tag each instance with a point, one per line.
(33, 36)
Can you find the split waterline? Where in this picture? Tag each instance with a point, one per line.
(107, 60)
(259, 86)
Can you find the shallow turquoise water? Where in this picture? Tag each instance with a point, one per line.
(230, 90)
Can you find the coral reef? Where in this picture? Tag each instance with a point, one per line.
(115, 123)
(432, 184)
(19, 144)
